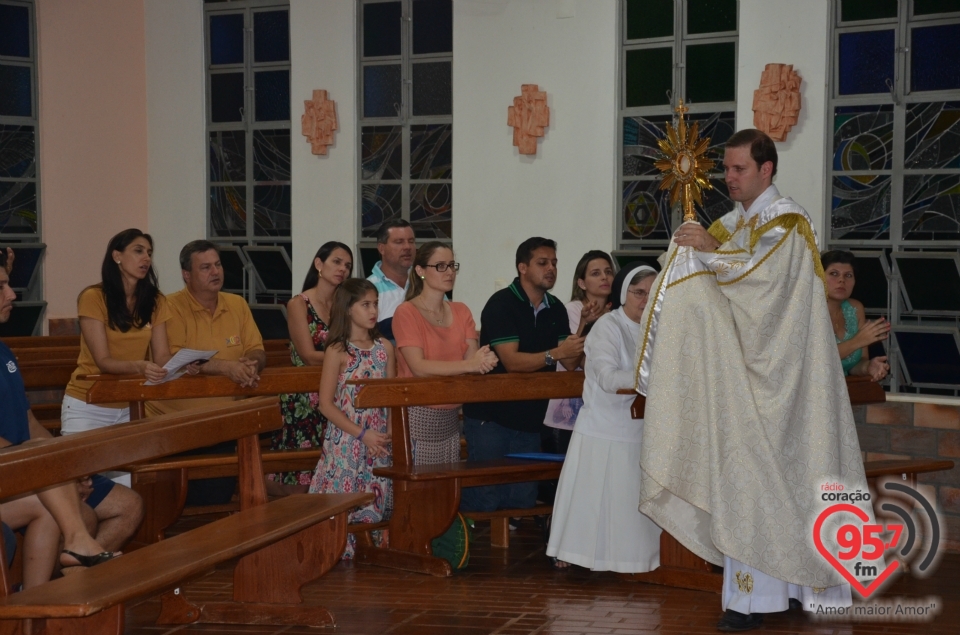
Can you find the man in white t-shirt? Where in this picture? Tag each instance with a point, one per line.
(397, 246)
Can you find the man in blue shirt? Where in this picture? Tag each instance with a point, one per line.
(45, 514)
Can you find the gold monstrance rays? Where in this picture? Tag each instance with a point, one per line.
(684, 164)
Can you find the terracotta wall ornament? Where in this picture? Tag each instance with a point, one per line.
(528, 115)
(319, 120)
(776, 104)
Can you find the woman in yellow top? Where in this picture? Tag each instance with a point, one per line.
(121, 320)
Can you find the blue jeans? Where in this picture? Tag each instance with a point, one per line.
(488, 440)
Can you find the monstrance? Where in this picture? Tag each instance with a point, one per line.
(684, 164)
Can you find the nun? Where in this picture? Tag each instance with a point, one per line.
(595, 521)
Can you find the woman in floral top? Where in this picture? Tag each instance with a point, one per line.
(308, 317)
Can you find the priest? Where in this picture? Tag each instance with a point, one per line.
(747, 413)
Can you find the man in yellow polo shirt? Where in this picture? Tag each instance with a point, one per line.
(204, 318)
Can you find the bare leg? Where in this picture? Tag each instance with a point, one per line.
(63, 503)
(41, 541)
(119, 515)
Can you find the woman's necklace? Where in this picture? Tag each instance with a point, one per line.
(434, 312)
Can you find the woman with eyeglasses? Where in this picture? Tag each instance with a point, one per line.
(436, 337)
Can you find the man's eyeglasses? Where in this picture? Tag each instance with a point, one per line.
(443, 266)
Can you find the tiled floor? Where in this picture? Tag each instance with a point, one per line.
(517, 592)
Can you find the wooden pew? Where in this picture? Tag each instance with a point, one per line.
(59, 354)
(269, 538)
(163, 484)
(426, 497)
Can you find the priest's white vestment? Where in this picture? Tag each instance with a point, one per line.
(747, 412)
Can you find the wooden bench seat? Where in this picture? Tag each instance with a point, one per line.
(164, 566)
(270, 538)
(907, 470)
(163, 484)
(426, 497)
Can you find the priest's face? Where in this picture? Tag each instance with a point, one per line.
(745, 179)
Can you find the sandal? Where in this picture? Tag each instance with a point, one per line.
(87, 561)
(560, 565)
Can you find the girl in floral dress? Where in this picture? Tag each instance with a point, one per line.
(358, 441)
(308, 315)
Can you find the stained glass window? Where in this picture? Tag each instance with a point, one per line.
(19, 183)
(933, 135)
(863, 138)
(894, 167)
(697, 63)
(248, 128)
(406, 116)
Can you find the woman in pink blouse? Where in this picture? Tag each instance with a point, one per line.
(436, 338)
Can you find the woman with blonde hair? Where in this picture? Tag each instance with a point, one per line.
(436, 337)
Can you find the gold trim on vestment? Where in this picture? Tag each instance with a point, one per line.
(718, 231)
(799, 223)
(796, 222)
(744, 582)
(692, 275)
(646, 331)
(731, 252)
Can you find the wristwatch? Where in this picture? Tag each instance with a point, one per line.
(548, 359)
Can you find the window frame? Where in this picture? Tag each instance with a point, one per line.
(899, 99)
(252, 289)
(679, 42)
(405, 118)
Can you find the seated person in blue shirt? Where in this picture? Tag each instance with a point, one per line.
(46, 514)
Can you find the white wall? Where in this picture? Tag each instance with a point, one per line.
(176, 131)
(324, 190)
(791, 32)
(566, 192)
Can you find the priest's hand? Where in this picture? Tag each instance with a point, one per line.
(694, 235)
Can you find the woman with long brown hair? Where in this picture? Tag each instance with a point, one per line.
(437, 337)
(308, 320)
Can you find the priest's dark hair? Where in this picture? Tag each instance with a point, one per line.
(762, 148)
(327, 248)
(146, 294)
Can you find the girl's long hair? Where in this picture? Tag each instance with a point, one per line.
(146, 294)
(580, 273)
(347, 294)
(424, 254)
(313, 276)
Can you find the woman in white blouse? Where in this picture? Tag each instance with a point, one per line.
(595, 520)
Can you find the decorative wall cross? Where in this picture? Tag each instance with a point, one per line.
(776, 104)
(528, 115)
(319, 120)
